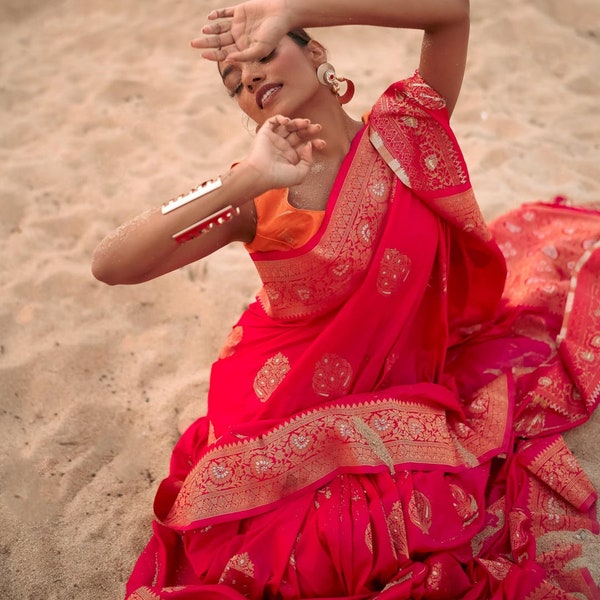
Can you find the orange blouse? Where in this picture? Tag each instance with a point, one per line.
(281, 226)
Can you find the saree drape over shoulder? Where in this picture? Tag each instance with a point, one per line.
(385, 420)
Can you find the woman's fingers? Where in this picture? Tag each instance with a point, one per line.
(298, 125)
(294, 129)
(216, 36)
(214, 42)
(216, 28)
(245, 32)
(296, 135)
(220, 13)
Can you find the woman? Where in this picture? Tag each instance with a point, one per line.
(384, 422)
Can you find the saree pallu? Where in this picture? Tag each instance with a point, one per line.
(384, 421)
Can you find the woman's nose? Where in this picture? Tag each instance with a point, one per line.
(252, 76)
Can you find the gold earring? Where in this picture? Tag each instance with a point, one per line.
(340, 86)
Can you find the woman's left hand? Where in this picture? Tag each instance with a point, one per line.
(245, 32)
(281, 154)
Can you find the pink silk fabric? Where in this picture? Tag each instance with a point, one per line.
(384, 421)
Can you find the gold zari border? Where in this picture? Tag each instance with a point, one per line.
(383, 433)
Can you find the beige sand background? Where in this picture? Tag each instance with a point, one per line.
(106, 110)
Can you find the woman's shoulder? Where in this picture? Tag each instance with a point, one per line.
(409, 126)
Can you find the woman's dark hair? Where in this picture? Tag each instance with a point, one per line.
(300, 36)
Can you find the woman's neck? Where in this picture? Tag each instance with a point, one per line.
(339, 129)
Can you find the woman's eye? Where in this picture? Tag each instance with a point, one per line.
(236, 90)
(268, 57)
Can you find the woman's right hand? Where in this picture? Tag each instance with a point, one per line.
(281, 154)
(244, 32)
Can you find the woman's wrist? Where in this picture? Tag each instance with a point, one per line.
(295, 13)
(248, 180)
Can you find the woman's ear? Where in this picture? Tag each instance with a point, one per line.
(316, 52)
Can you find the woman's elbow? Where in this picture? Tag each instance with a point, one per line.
(463, 10)
(111, 271)
(102, 271)
(107, 268)
(450, 15)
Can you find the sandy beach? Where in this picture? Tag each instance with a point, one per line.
(105, 110)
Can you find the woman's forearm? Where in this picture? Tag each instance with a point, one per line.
(445, 24)
(144, 248)
(414, 14)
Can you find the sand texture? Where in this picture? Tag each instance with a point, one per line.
(105, 110)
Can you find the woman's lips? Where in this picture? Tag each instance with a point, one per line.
(266, 93)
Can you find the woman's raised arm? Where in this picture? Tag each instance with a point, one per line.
(250, 30)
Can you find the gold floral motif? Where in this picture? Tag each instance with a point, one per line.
(369, 538)
(518, 526)
(219, 473)
(270, 376)
(375, 442)
(332, 376)
(378, 189)
(365, 235)
(239, 573)
(397, 529)
(464, 504)
(242, 564)
(261, 465)
(419, 511)
(498, 568)
(496, 520)
(532, 422)
(434, 577)
(300, 443)
(554, 393)
(394, 270)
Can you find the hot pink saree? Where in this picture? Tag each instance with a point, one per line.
(384, 422)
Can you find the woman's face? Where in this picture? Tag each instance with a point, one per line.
(284, 82)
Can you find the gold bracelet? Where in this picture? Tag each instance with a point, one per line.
(204, 188)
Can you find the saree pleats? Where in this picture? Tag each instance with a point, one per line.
(385, 420)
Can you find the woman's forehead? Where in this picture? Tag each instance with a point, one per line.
(227, 67)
